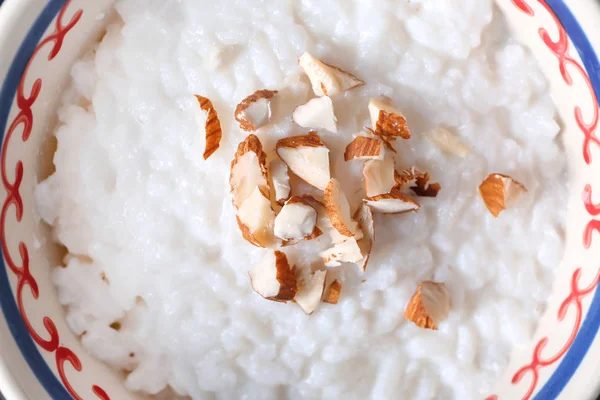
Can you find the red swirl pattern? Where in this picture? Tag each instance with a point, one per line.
(560, 49)
(50, 339)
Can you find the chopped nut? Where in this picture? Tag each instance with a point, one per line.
(387, 121)
(429, 306)
(310, 291)
(346, 251)
(256, 218)
(364, 216)
(448, 141)
(378, 176)
(394, 202)
(324, 223)
(364, 148)
(338, 209)
(255, 110)
(423, 188)
(273, 278)
(212, 127)
(326, 79)
(332, 295)
(297, 220)
(417, 181)
(500, 192)
(308, 157)
(248, 170)
(281, 181)
(317, 113)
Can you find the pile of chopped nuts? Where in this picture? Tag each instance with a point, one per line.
(270, 215)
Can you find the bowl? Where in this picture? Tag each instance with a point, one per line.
(41, 358)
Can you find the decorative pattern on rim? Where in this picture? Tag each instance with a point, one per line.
(560, 49)
(24, 118)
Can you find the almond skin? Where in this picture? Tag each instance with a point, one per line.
(213, 127)
(498, 190)
(285, 277)
(391, 125)
(363, 147)
(429, 305)
(332, 294)
(311, 139)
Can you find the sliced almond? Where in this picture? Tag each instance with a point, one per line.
(248, 170)
(254, 111)
(364, 216)
(273, 278)
(281, 181)
(364, 148)
(212, 127)
(332, 294)
(447, 141)
(297, 220)
(256, 218)
(326, 79)
(500, 192)
(346, 251)
(310, 291)
(394, 202)
(429, 305)
(378, 175)
(338, 209)
(317, 113)
(387, 121)
(308, 157)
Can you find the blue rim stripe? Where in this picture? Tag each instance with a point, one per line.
(54, 387)
(589, 328)
(17, 327)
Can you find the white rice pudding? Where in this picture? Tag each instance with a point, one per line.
(165, 257)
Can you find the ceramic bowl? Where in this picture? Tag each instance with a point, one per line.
(41, 358)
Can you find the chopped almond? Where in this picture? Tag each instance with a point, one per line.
(256, 218)
(387, 121)
(338, 209)
(417, 181)
(317, 113)
(255, 110)
(273, 278)
(423, 188)
(281, 181)
(429, 306)
(405, 179)
(500, 192)
(448, 142)
(308, 157)
(332, 295)
(346, 251)
(378, 176)
(297, 220)
(326, 79)
(310, 291)
(364, 216)
(364, 148)
(394, 202)
(248, 170)
(324, 223)
(212, 127)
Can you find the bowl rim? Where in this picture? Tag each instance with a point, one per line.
(568, 363)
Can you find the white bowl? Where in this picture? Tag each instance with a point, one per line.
(41, 358)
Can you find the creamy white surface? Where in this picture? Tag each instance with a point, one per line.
(132, 192)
